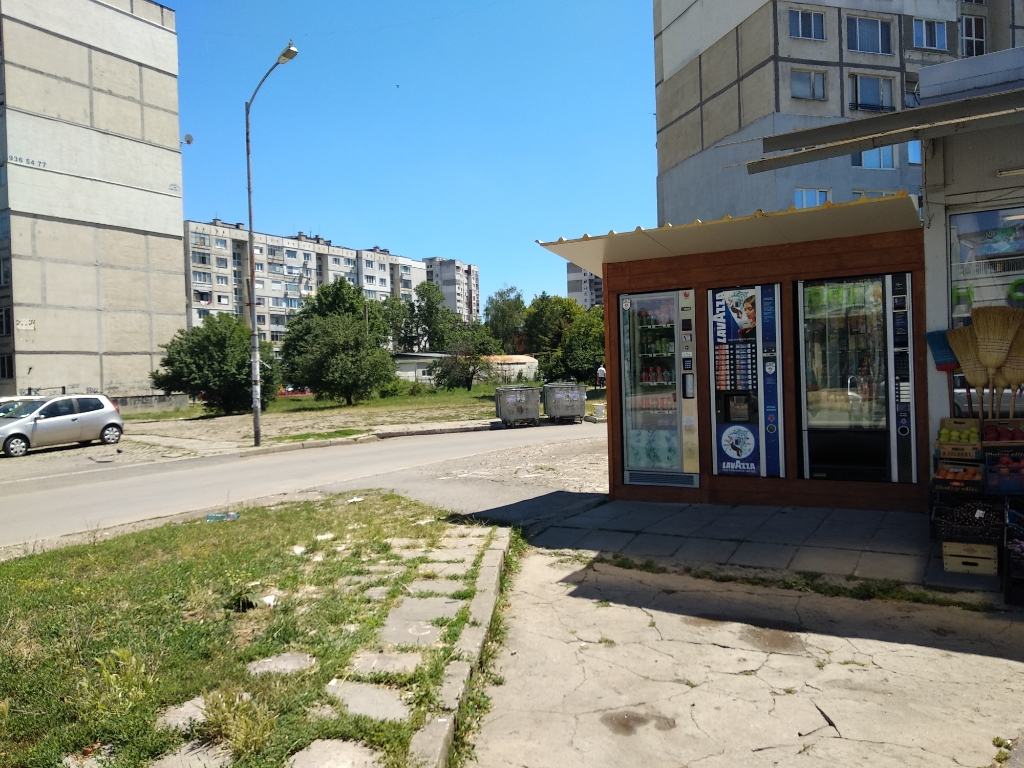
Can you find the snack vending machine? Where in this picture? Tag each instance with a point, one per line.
(746, 381)
(856, 353)
(659, 389)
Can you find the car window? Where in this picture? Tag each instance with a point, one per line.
(58, 408)
(11, 406)
(24, 409)
(87, 404)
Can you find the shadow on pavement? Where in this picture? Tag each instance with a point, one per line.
(781, 613)
(550, 506)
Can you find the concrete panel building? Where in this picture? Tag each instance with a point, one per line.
(728, 74)
(289, 269)
(460, 284)
(90, 195)
(583, 287)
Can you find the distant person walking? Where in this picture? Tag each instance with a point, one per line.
(601, 374)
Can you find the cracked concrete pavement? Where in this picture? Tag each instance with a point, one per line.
(611, 667)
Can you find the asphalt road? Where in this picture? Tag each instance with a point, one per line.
(48, 507)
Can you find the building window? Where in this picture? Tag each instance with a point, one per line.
(274, 251)
(260, 301)
(292, 254)
(868, 35)
(202, 314)
(874, 158)
(277, 269)
(222, 279)
(291, 287)
(276, 335)
(930, 34)
(202, 297)
(222, 299)
(383, 282)
(278, 320)
(238, 294)
(406, 297)
(261, 319)
(972, 36)
(5, 271)
(807, 85)
(807, 24)
(290, 270)
(351, 279)
(258, 250)
(6, 366)
(406, 269)
(914, 152)
(307, 289)
(809, 198)
(276, 301)
(369, 264)
(871, 93)
(276, 285)
(350, 262)
(382, 267)
(222, 263)
(293, 303)
(307, 256)
(986, 260)
(202, 277)
(407, 284)
(198, 257)
(220, 243)
(370, 280)
(370, 294)
(198, 238)
(6, 324)
(237, 274)
(336, 261)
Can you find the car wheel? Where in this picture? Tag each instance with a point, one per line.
(15, 446)
(111, 434)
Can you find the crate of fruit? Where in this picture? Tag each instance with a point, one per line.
(958, 477)
(977, 520)
(1004, 473)
(1004, 433)
(959, 439)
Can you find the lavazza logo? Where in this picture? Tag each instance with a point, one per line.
(738, 443)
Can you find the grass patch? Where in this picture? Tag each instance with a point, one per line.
(96, 640)
(476, 703)
(321, 435)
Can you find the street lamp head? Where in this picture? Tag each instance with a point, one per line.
(288, 53)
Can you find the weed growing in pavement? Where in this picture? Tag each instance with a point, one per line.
(604, 604)
(1001, 743)
(1001, 756)
(320, 435)
(621, 561)
(789, 691)
(236, 719)
(476, 703)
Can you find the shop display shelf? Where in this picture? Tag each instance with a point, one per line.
(967, 519)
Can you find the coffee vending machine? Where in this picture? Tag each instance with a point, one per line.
(746, 381)
(659, 389)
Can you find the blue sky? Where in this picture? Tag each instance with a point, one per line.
(465, 129)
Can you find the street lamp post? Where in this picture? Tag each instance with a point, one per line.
(287, 55)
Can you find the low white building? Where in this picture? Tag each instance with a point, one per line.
(511, 368)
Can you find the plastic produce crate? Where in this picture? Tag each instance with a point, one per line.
(959, 477)
(1003, 480)
(969, 520)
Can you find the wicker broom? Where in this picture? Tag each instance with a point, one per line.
(965, 346)
(1013, 369)
(995, 328)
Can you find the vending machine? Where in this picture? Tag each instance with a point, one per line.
(746, 381)
(659, 391)
(856, 357)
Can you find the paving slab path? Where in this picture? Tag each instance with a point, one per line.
(611, 667)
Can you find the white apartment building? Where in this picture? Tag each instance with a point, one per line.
(288, 270)
(90, 195)
(728, 74)
(460, 284)
(583, 287)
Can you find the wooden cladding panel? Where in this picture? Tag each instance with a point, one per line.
(847, 257)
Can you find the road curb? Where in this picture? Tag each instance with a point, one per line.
(430, 745)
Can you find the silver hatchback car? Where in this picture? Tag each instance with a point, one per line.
(60, 420)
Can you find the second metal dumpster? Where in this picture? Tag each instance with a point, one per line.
(565, 401)
(517, 405)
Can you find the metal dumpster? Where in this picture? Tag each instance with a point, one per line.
(517, 405)
(565, 401)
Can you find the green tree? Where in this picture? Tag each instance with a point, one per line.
(464, 362)
(545, 322)
(504, 316)
(434, 322)
(341, 298)
(400, 317)
(581, 350)
(336, 358)
(212, 360)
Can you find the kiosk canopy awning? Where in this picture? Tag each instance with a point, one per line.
(826, 222)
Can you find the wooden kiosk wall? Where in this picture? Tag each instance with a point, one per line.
(788, 264)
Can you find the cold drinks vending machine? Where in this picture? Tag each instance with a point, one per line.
(856, 354)
(659, 392)
(746, 381)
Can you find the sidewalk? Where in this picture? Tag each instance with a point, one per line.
(837, 542)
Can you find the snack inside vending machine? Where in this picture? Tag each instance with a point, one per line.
(746, 381)
(659, 389)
